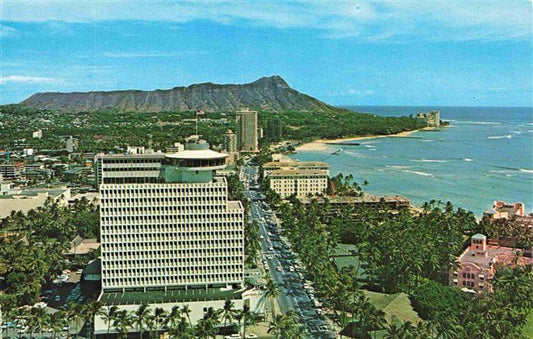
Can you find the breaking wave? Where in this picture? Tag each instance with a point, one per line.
(425, 174)
(397, 166)
(481, 122)
(429, 160)
(508, 136)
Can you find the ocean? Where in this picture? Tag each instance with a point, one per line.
(486, 154)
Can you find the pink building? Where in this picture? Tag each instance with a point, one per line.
(518, 225)
(502, 210)
(477, 265)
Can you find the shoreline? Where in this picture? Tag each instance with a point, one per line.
(322, 144)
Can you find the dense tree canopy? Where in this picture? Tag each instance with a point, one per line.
(112, 130)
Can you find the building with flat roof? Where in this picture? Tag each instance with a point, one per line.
(297, 178)
(503, 210)
(247, 139)
(80, 246)
(477, 265)
(8, 172)
(169, 235)
(166, 221)
(338, 203)
(29, 199)
(294, 165)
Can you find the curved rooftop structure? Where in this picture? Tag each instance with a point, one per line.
(197, 154)
(195, 164)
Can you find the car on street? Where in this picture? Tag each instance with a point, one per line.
(279, 269)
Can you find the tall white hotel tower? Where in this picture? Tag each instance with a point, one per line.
(166, 222)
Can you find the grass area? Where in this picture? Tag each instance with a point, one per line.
(397, 307)
(129, 298)
(345, 249)
(528, 328)
(346, 261)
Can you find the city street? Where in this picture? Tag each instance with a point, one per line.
(282, 263)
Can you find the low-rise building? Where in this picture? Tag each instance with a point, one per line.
(301, 183)
(338, 203)
(477, 265)
(503, 210)
(80, 246)
(511, 226)
(297, 178)
(26, 200)
(8, 171)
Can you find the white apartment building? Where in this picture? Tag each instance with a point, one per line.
(297, 178)
(166, 222)
(298, 182)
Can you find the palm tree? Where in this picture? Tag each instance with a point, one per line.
(140, 316)
(204, 329)
(56, 322)
(159, 320)
(276, 327)
(286, 326)
(248, 318)
(181, 330)
(90, 311)
(405, 331)
(228, 312)
(122, 322)
(174, 316)
(42, 319)
(272, 292)
(108, 315)
(185, 309)
(72, 311)
(33, 319)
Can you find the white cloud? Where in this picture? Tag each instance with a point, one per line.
(24, 79)
(372, 21)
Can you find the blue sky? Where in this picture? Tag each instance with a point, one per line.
(446, 53)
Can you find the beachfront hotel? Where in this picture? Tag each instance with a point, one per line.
(297, 178)
(477, 265)
(168, 230)
(502, 210)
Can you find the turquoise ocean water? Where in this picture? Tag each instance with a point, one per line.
(486, 154)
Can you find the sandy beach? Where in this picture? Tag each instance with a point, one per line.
(321, 144)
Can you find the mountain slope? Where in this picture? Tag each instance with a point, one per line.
(268, 93)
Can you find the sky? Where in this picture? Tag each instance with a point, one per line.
(408, 53)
